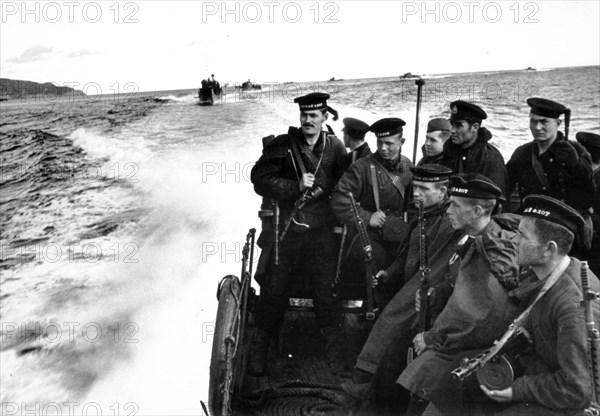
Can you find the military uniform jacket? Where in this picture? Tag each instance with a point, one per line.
(478, 312)
(357, 180)
(441, 242)
(429, 160)
(481, 157)
(558, 376)
(277, 176)
(576, 188)
(361, 151)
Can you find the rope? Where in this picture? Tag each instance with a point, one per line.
(298, 398)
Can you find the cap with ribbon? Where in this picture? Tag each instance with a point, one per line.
(474, 185)
(431, 173)
(553, 210)
(545, 108)
(315, 101)
(463, 110)
(387, 127)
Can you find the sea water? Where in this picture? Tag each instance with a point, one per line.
(120, 215)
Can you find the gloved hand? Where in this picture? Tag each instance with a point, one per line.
(566, 154)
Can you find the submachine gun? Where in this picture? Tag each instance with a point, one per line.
(424, 309)
(370, 267)
(593, 337)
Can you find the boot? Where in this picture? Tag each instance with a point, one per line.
(259, 352)
(333, 348)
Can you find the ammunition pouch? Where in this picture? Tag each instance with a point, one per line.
(395, 229)
(267, 218)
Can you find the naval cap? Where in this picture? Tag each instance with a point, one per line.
(463, 110)
(438, 124)
(355, 127)
(553, 210)
(387, 127)
(591, 141)
(431, 173)
(545, 108)
(474, 185)
(315, 101)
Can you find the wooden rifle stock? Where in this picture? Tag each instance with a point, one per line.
(369, 261)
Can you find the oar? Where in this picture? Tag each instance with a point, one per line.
(420, 82)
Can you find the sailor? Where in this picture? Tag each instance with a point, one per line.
(469, 150)
(483, 271)
(379, 184)
(557, 380)
(438, 132)
(299, 168)
(392, 334)
(354, 139)
(550, 164)
(591, 142)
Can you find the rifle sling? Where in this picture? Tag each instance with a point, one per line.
(394, 178)
(375, 186)
(539, 170)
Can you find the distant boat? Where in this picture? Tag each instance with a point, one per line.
(248, 85)
(529, 68)
(408, 75)
(332, 79)
(209, 92)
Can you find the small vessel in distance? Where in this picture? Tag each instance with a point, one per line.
(530, 68)
(209, 91)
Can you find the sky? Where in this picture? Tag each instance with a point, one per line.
(127, 46)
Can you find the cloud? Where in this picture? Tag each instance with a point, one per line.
(35, 53)
(77, 54)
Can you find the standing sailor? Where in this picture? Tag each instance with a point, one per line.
(438, 132)
(354, 139)
(550, 164)
(469, 150)
(299, 170)
(379, 184)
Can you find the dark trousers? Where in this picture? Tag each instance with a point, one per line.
(312, 253)
(387, 396)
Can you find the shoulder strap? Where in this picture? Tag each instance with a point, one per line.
(297, 157)
(394, 178)
(550, 281)
(375, 184)
(539, 170)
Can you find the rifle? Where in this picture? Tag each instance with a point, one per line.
(593, 336)
(370, 269)
(309, 194)
(338, 268)
(246, 281)
(424, 313)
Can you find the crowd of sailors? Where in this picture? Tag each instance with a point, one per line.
(503, 241)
